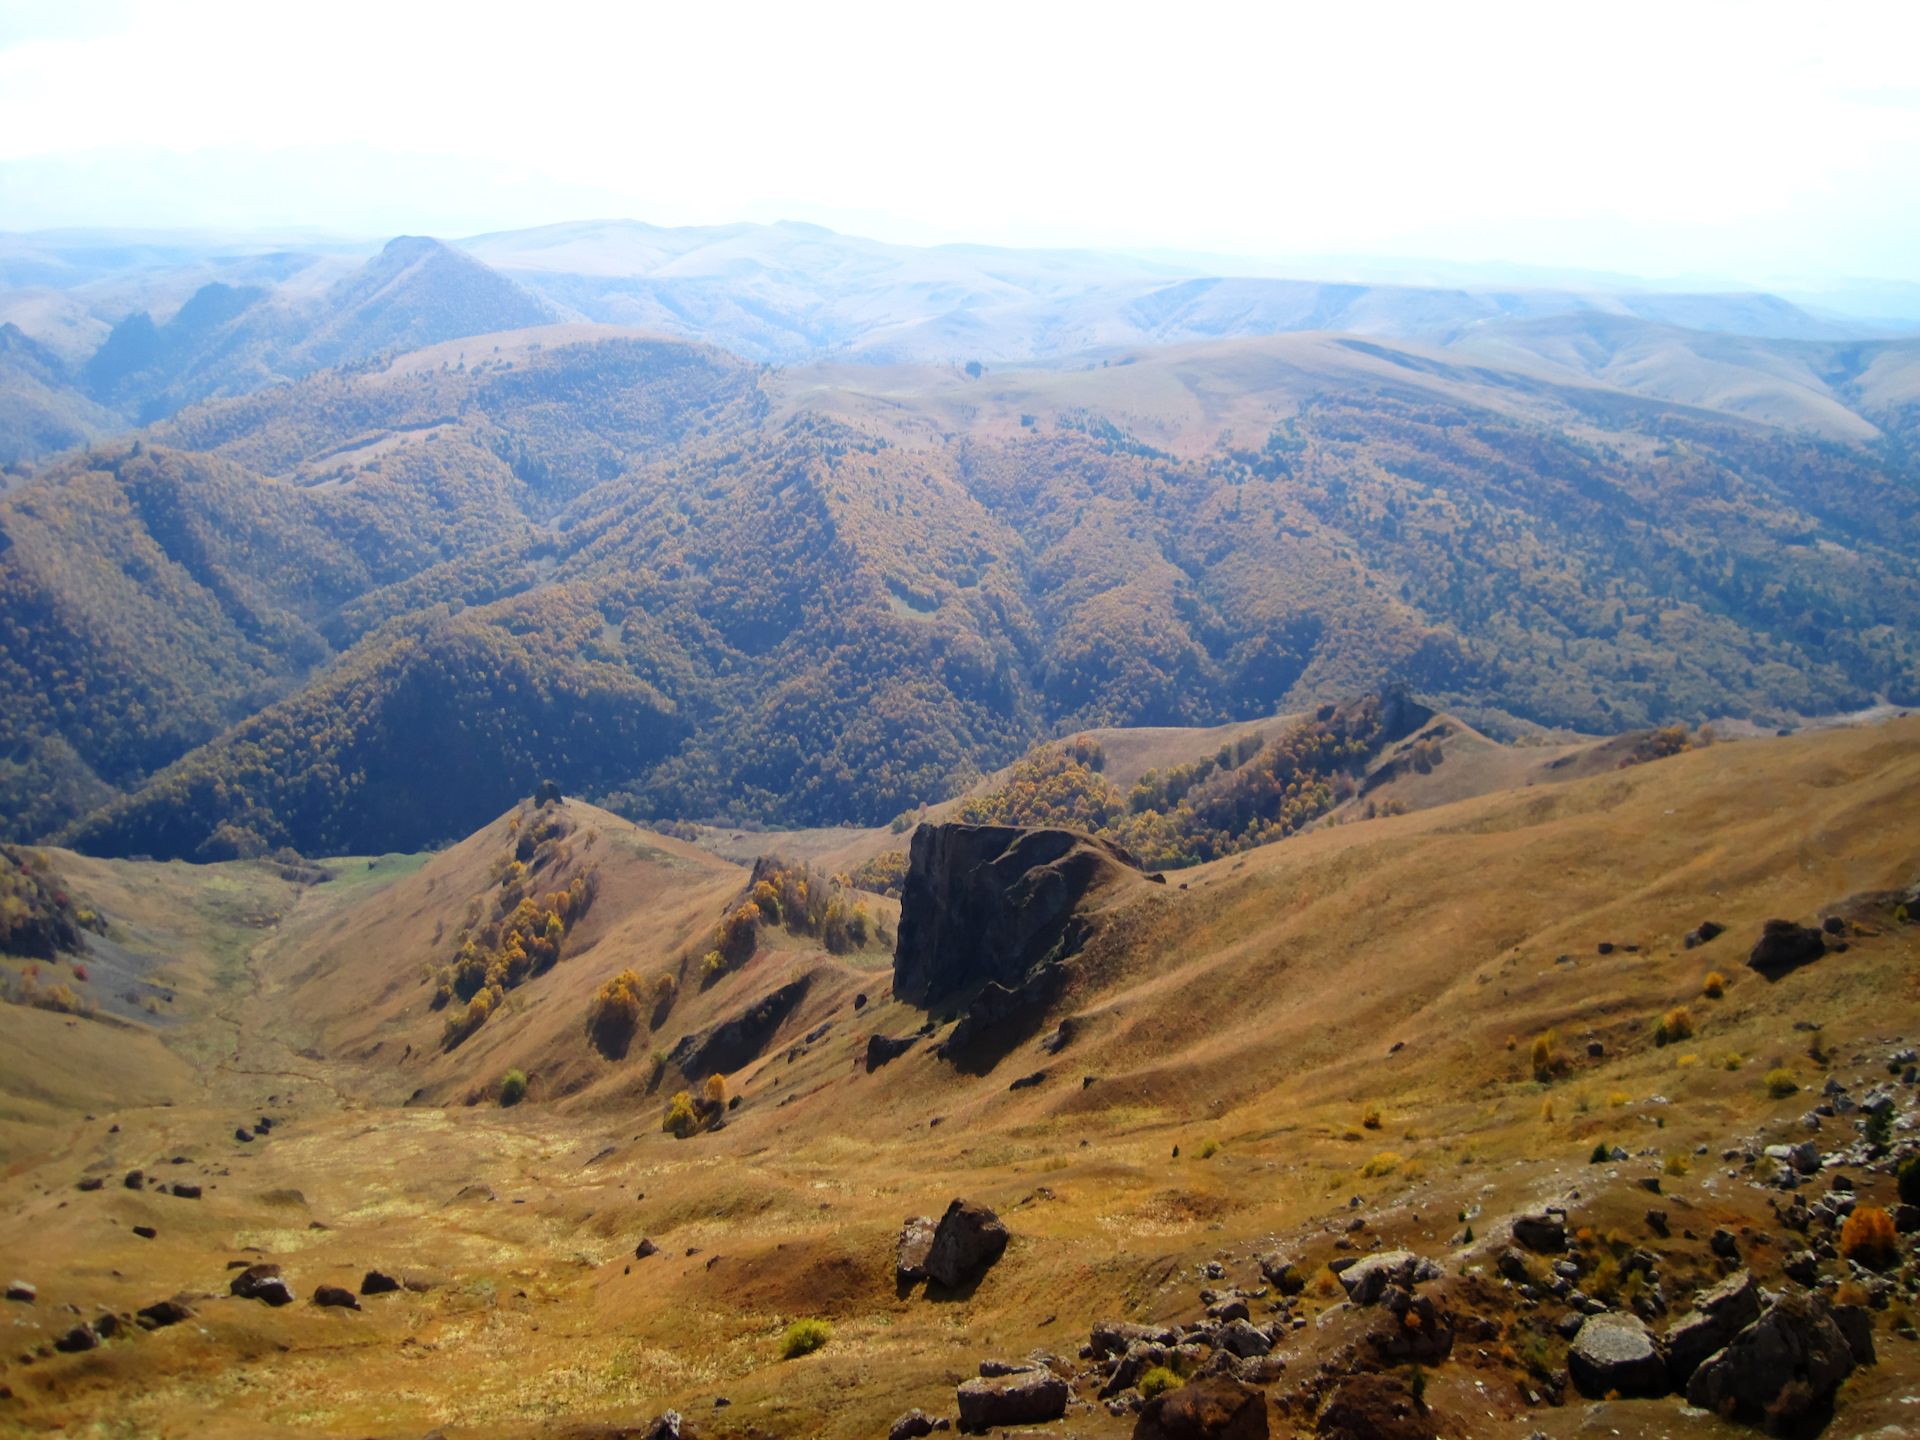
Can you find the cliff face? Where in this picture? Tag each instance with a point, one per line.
(990, 903)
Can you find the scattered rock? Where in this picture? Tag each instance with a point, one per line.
(186, 1192)
(1116, 1337)
(1022, 1399)
(1375, 1407)
(377, 1282)
(92, 1182)
(1028, 1082)
(883, 1049)
(1718, 1315)
(644, 1249)
(968, 1238)
(1240, 1338)
(1725, 1244)
(1614, 1352)
(1229, 1310)
(1366, 1281)
(1657, 1222)
(1596, 1050)
(1785, 946)
(1784, 1366)
(162, 1314)
(336, 1297)
(1856, 1323)
(910, 1249)
(667, 1427)
(1217, 1407)
(243, 1135)
(146, 1232)
(911, 1426)
(1706, 930)
(261, 1282)
(860, 1003)
(23, 1292)
(1545, 1232)
(135, 1179)
(80, 1337)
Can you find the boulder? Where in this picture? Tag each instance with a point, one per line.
(186, 1192)
(1226, 1311)
(730, 1045)
(882, 1049)
(1140, 1357)
(261, 1282)
(1785, 946)
(1784, 1366)
(1116, 1337)
(911, 1426)
(135, 1179)
(92, 1182)
(1242, 1339)
(1856, 1323)
(1802, 1267)
(1718, 1315)
(969, 1238)
(644, 1249)
(1376, 1407)
(1705, 931)
(910, 1249)
(1414, 1329)
(80, 1337)
(336, 1297)
(667, 1426)
(378, 1282)
(23, 1292)
(1615, 1352)
(1366, 1281)
(992, 903)
(1217, 1407)
(1028, 1398)
(162, 1314)
(1281, 1273)
(1545, 1232)
(1725, 1244)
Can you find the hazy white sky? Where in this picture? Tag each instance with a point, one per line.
(1749, 140)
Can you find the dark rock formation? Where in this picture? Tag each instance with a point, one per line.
(911, 1426)
(1783, 1367)
(1366, 1281)
(910, 1251)
(336, 1296)
(1785, 946)
(162, 1314)
(376, 1282)
(993, 903)
(969, 1238)
(80, 1337)
(730, 1045)
(644, 1249)
(1376, 1407)
(1615, 1352)
(1115, 1337)
(1718, 1315)
(883, 1049)
(1028, 1398)
(261, 1282)
(1706, 930)
(23, 1292)
(1217, 1407)
(1545, 1233)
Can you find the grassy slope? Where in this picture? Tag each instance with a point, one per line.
(1255, 1008)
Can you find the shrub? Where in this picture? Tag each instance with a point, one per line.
(680, 1120)
(1868, 1236)
(1679, 1023)
(1878, 1127)
(513, 1088)
(1677, 1164)
(1780, 1083)
(1732, 1060)
(1548, 1059)
(1715, 987)
(1687, 1062)
(803, 1337)
(716, 1090)
(1210, 1149)
(614, 1014)
(1157, 1381)
(1370, 1117)
(1600, 1154)
(1326, 1284)
(1908, 1178)
(1385, 1163)
(1617, 1098)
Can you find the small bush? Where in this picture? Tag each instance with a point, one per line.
(1878, 1127)
(1868, 1236)
(715, 1090)
(1732, 1060)
(1157, 1381)
(1780, 1083)
(1715, 987)
(1617, 1098)
(1908, 1178)
(1546, 1110)
(1548, 1059)
(1209, 1149)
(803, 1337)
(681, 1118)
(1385, 1163)
(1687, 1062)
(1600, 1154)
(1370, 1117)
(1677, 1164)
(513, 1088)
(1326, 1284)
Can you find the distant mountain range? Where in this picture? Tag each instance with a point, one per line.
(127, 328)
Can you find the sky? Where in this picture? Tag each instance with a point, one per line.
(1750, 141)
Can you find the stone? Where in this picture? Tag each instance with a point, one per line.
(1784, 946)
(730, 1045)
(1240, 1338)
(243, 1135)
(1545, 1232)
(1718, 1315)
(992, 903)
(1281, 1273)
(261, 1282)
(1216, 1407)
(92, 1182)
(1596, 1050)
(1229, 1310)
(644, 1249)
(910, 1249)
(1569, 1324)
(1725, 1244)
(80, 1337)
(135, 1179)
(162, 1314)
(336, 1297)
(1802, 1267)
(1140, 1357)
(911, 1426)
(1415, 1329)
(1376, 1407)
(1784, 1366)
(1855, 1322)
(969, 1238)
(1116, 1337)
(884, 1049)
(1657, 1222)
(23, 1292)
(186, 1192)
(1906, 1218)
(1030, 1397)
(146, 1232)
(1615, 1352)
(1366, 1281)
(665, 1427)
(1705, 931)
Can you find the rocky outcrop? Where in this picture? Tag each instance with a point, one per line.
(1785, 946)
(1545, 1232)
(1029, 1397)
(261, 1282)
(994, 903)
(882, 1049)
(1377, 1407)
(1784, 1366)
(1366, 1281)
(1217, 1407)
(1115, 1337)
(1718, 1315)
(1616, 1353)
(336, 1297)
(733, 1043)
(969, 1238)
